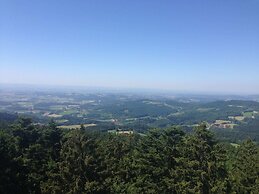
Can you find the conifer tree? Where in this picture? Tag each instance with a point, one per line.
(245, 172)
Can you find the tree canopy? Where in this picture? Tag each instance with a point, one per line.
(46, 159)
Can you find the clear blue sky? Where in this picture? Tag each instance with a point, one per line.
(186, 45)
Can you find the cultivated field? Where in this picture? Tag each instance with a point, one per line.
(75, 126)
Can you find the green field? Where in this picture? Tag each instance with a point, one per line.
(68, 112)
(239, 118)
(61, 121)
(75, 126)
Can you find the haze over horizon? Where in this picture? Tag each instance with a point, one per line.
(205, 46)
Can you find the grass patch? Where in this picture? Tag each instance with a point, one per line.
(61, 121)
(54, 116)
(218, 122)
(205, 109)
(239, 118)
(68, 112)
(57, 107)
(75, 126)
(235, 145)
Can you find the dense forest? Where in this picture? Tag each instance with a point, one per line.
(46, 159)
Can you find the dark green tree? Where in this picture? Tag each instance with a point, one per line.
(12, 177)
(245, 171)
(204, 161)
(155, 162)
(78, 167)
(115, 152)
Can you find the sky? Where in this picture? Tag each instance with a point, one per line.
(178, 45)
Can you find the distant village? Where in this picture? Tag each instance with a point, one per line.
(121, 132)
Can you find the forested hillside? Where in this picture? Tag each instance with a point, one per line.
(233, 119)
(46, 159)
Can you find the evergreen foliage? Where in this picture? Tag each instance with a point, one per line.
(45, 159)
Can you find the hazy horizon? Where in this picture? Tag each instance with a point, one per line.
(128, 90)
(183, 46)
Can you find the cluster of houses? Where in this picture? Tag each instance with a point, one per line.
(121, 132)
(223, 124)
